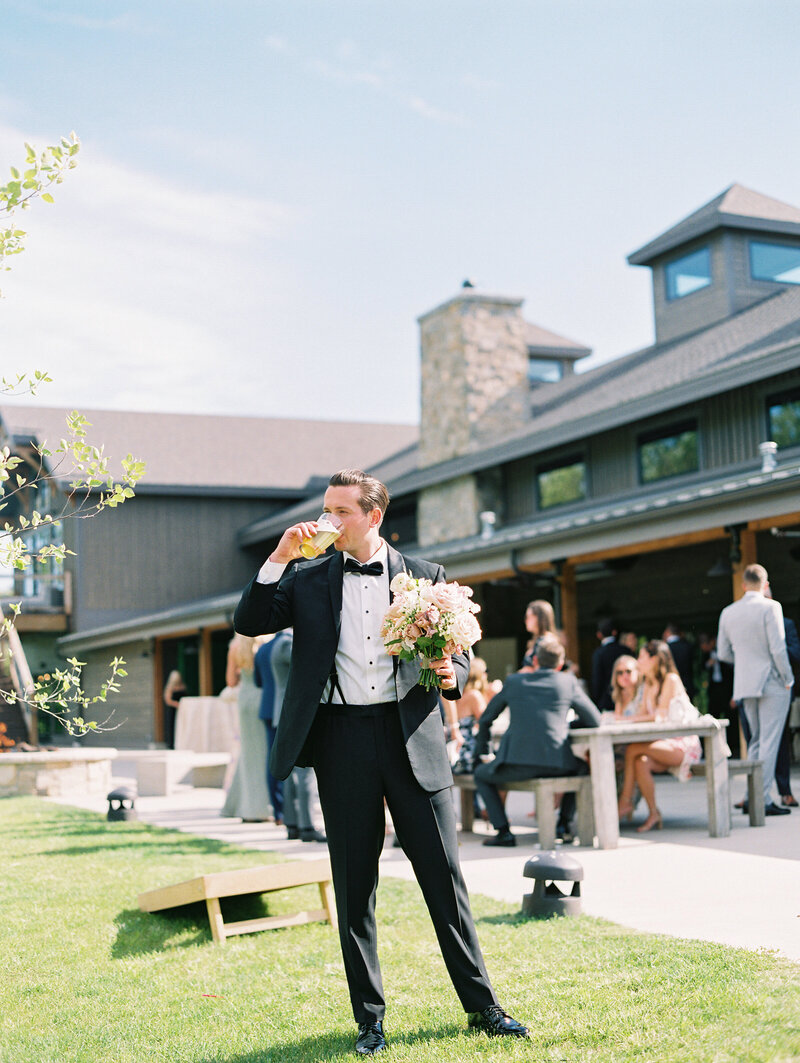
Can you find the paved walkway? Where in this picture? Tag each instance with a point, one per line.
(742, 890)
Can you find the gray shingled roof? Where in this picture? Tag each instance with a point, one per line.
(200, 451)
(735, 208)
(758, 342)
(542, 339)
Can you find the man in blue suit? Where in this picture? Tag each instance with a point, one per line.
(372, 734)
(262, 670)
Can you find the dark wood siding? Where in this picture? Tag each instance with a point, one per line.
(155, 552)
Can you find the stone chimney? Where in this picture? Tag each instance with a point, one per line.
(474, 374)
(474, 391)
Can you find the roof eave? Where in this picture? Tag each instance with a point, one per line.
(669, 241)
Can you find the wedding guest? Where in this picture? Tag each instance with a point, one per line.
(265, 681)
(469, 708)
(174, 690)
(539, 620)
(603, 661)
(247, 799)
(626, 689)
(664, 698)
(536, 744)
(298, 783)
(629, 640)
(682, 654)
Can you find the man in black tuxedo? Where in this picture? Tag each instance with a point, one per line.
(359, 717)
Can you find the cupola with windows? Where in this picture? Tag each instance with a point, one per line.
(736, 250)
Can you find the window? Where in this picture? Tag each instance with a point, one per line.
(688, 274)
(784, 419)
(669, 452)
(775, 262)
(544, 370)
(560, 484)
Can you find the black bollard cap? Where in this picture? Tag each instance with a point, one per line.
(553, 865)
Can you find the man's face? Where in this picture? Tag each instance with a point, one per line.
(357, 525)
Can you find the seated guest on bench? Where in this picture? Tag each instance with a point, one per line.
(536, 744)
(664, 698)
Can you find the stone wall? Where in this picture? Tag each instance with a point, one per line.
(55, 774)
(448, 511)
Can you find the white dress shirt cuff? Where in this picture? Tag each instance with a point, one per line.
(270, 572)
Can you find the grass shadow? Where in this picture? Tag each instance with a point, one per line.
(516, 918)
(139, 933)
(332, 1046)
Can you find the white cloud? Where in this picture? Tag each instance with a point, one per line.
(434, 114)
(350, 68)
(349, 76)
(122, 23)
(136, 292)
(276, 43)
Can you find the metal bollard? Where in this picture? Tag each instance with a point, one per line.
(547, 869)
(121, 804)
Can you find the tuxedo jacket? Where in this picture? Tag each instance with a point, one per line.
(752, 638)
(538, 733)
(308, 598)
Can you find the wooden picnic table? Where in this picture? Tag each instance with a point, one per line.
(601, 741)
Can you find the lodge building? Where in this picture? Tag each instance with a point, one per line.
(638, 489)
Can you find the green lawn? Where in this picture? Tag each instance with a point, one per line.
(88, 977)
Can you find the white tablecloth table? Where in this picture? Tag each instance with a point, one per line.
(207, 725)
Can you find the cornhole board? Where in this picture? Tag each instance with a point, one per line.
(250, 880)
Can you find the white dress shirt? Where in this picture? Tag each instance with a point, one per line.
(364, 668)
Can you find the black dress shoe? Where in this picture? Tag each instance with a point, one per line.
(497, 1023)
(311, 834)
(503, 838)
(776, 810)
(292, 833)
(370, 1038)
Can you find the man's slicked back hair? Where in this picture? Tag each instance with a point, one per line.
(372, 493)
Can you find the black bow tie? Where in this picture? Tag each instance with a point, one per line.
(374, 568)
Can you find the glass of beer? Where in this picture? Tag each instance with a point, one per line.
(329, 528)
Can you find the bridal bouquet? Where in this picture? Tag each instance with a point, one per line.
(426, 620)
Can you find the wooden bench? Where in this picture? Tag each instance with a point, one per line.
(251, 880)
(545, 790)
(754, 770)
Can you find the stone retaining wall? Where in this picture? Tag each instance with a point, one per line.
(56, 774)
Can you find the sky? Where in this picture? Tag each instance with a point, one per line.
(270, 192)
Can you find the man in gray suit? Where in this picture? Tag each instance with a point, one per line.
(536, 744)
(751, 638)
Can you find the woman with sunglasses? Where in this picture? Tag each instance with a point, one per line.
(664, 698)
(627, 689)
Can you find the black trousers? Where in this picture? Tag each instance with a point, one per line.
(360, 759)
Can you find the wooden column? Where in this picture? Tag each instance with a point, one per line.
(206, 676)
(569, 609)
(159, 682)
(747, 556)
